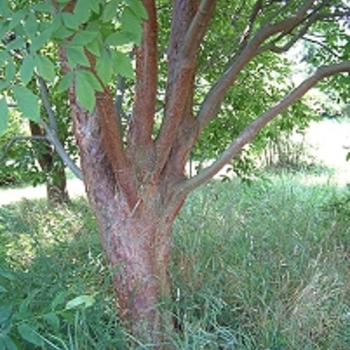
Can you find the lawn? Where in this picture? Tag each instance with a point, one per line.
(259, 266)
(255, 266)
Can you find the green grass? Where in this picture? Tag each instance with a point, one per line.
(260, 266)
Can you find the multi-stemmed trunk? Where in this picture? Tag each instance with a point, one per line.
(136, 238)
(135, 178)
(138, 246)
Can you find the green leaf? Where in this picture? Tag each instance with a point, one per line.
(62, 33)
(4, 56)
(82, 300)
(16, 44)
(45, 67)
(52, 320)
(29, 334)
(30, 25)
(122, 65)
(42, 7)
(76, 56)
(82, 11)
(347, 50)
(117, 39)
(39, 41)
(4, 84)
(132, 25)
(27, 102)
(104, 67)
(27, 69)
(10, 71)
(94, 5)
(85, 94)
(137, 7)
(9, 344)
(7, 275)
(82, 38)
(95, 48)
(110, 11)
(5, 313)
(59, 299)
(93, 81)
(70, 21)
(59, 31)
(17, 18)
(4, 117)
(65, 82)
(4, 9)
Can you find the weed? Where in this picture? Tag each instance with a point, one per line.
(259, 266)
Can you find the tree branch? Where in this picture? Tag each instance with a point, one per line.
(108, 128)
(214, 97)
(248, 31)
(20, 138)
(52, 131)
(47, 105)
(189, 25)
(252, 130)
(197, 29)
(51, 135)
(308, 21)
(325, 47)
(141, 124)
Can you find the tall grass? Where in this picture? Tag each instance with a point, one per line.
(259, 266)
(263, 267)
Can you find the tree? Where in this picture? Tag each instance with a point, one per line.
(27, 157)
(134, 169)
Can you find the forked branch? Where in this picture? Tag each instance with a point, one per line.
(141, 124)
(214, 97)
(184, 45)
(252, 130)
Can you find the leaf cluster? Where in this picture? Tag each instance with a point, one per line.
(95, 37)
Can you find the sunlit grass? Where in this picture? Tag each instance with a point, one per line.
(263, 266)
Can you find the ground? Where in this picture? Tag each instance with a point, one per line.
(329, 142)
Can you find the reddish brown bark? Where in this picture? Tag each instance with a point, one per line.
(136, 189)
(138, 247)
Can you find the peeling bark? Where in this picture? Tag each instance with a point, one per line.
(136, 189)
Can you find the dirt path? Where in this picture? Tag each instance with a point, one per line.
(8, 196)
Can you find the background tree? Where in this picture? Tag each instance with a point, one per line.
(134, 173)
(28, 157)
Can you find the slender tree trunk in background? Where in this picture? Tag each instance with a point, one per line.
(53, 166)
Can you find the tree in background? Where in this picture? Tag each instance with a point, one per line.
(28, 157)
(134, 168)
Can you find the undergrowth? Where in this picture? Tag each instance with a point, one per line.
(259, 266)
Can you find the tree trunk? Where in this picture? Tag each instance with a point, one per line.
(136, 239)
(56, 184)
(138, 247)
(53, 166)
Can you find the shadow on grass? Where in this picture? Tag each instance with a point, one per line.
(54, 257)
(259, 266)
